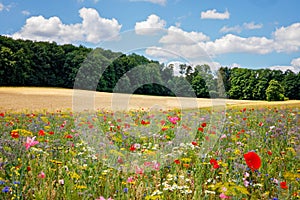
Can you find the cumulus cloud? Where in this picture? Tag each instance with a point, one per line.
(175, 35)
(288, 38)
(160, 2)
(235, 65)
(239, 29)
(296, 62)
(93, 28)
(151, 26)
(213, 14)
(235, 44)
(295, 66)
(180, 43)
(195, 45)
(161, 53)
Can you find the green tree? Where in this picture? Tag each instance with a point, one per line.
(290, 84)
(275, 91)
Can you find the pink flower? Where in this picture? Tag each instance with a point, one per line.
(147, 164)
(102, 198)
(30, 142)
(173, 120)
(246, 183)
(139, 170)
(130, 179)
(42, 175)
(223, 196)
(156, 166)
(223, 136)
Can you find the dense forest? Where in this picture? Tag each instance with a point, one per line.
(30, 63)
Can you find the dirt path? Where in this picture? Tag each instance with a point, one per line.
(51, 99)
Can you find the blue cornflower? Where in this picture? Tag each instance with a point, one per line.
(6, 189)
(125, 190)
(2, 182)
(17, 182)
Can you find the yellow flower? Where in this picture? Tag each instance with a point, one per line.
(23, 132)
(80, 187)
(187, 160)
(56, 162)
(74, 175)
(237, 152)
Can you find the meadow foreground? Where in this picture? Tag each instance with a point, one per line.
(243, 152)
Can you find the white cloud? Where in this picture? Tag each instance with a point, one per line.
(1, 6)
(160, 52)
(226, 29)
(213, 14)
(176, 35)
(239, 29)
(197, 46)
(234, 65)
(252, 26)
(295, 66)
(160, 2)
(282, 68)
(179, 43)
(234, 44)
(296, 62)
(151, 26)
(93, 28)
(25, 12)
(288, 38)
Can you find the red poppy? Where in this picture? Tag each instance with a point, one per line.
(252, 160)
(216, 166)
(283, 185)
(200, 129)
(143, 122)
(177, 161)
(269, 153)
(68, 136)
(132, 148)
(2, 114)
(194, 143)
(203, 124)
(164, 128)
(214, 163)
(41, 133)
(15, 134)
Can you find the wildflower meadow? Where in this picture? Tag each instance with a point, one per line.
(58, 155)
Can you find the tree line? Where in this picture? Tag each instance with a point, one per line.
(47, 64)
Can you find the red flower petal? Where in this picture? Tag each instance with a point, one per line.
(283, 185)
(252, 160)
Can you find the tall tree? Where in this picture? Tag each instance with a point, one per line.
(275, 92)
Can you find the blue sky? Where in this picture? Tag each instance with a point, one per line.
(248, 33)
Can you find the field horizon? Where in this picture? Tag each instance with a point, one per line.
(41, 98)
